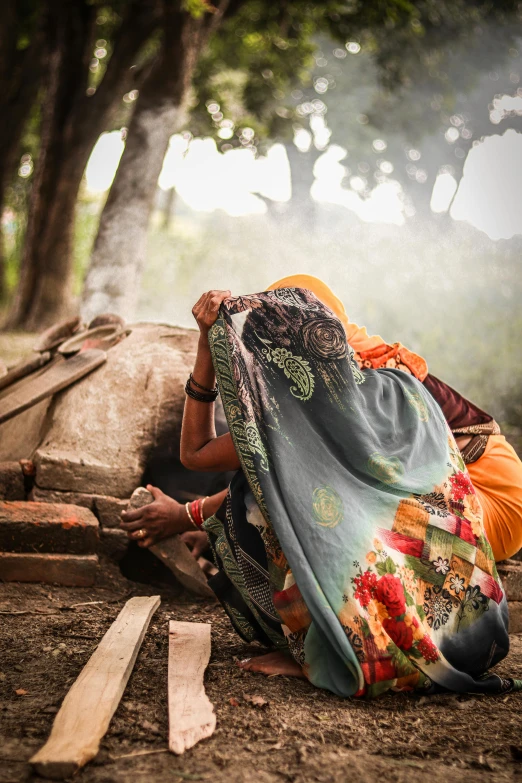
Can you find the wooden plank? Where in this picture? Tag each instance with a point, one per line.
(25, 368)
(57, 377)
(191, 713)
(87, 709)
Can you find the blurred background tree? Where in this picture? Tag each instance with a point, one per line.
(132, 63)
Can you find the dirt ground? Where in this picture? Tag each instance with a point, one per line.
(301, 734)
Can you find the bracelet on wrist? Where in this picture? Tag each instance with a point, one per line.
(200, 396)
(203, 388)
(187, 509)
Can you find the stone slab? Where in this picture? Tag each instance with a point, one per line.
(101, 432)
(70, 472)
(55, 496)
(510, 572)
(66, 570)
(47, 527)
(12, 485)
(107, 509)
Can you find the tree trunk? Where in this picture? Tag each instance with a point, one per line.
(20, 77)
(71, 124)
(302, 208)
(112, 281)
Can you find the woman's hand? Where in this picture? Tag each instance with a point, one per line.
(197, 542)
(206, 309)
(158, 520)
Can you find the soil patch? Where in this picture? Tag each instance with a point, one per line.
(299, 734)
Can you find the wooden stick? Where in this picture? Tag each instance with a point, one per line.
(191, 714)
(87, 709)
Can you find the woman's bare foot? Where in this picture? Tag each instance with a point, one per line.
(273, 663)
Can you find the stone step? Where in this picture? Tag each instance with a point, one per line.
(66, 570)
(106, 508)
(47, 527)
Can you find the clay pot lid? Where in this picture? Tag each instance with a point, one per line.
(100, 337)
(56, 334)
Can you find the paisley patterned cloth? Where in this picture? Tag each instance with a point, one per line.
(352, 534)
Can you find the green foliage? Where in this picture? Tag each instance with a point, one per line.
(197, 8)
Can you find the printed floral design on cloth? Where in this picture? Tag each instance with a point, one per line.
(376, 557)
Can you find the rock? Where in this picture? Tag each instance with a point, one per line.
(67, 570)
(12, 485)
(103, 428)
(47, 527)
(510, 572)
(140, 497)
(108, 510)
(113, 544)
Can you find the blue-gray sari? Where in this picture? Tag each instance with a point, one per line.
(352, 535)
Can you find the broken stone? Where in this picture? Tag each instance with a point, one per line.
(47, 527)
(103, 428)
(11, 481)
(66, 570)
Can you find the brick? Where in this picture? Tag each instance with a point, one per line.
(47, 527)
(108, 510)
(11, 481)
(66, 570)
(515, 616)
(113, 544)
(510, 572)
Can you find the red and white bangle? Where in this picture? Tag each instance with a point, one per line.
(195, 511)
(189, 514)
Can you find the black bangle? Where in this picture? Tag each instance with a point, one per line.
(203, 388)
(198, 396)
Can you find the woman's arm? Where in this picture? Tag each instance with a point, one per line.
(164, 517)
(200, 449)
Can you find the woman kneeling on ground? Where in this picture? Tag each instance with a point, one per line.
(350, 539)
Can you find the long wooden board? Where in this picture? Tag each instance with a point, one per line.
(191, 713)
(57, 377)
(87, 709)
(25, 368)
